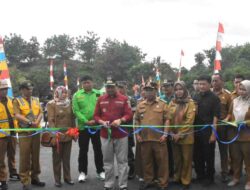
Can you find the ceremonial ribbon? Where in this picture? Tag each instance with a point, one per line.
(93, 130)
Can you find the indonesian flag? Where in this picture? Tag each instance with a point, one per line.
(142, 81)
(51, 74)
(4, 71)
(65, 75)
(217, 61)
(180, 65)
(78, 82)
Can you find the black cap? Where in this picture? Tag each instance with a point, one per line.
(110, 82)
(26, 84)
(168, 83)
(150, 85)
(121, 84)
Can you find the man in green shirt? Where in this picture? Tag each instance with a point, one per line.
(84, 101)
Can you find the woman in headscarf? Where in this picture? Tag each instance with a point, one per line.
(240, 149)
(182, 114)
(60, 115)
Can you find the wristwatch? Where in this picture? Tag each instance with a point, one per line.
(30, 123)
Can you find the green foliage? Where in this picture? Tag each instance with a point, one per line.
(87, 47)
(61, 46)
(28, 61)
(15, 48)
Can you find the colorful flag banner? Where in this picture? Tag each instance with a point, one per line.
(217, 61)
(4, 71)
(65, 76)
(157, 77)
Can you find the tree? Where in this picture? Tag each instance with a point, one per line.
(199, 58)
(116, 58)
(61, 47)
(87, 47)
(32, 49)
(15, 46)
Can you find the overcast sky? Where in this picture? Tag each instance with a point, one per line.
(158, 27)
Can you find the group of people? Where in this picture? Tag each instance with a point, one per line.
(173, 132)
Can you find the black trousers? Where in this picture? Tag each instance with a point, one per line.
(84, 138)
(204, 155)
(131, 155)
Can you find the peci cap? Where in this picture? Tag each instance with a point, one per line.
(26, 84)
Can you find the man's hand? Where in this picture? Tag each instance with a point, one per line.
(138, 137)
(90, 123)
(116, 123)
(53, 141)
(163, 138)
(104, 123)
(212, 138)
(176, 137)
(35, 124)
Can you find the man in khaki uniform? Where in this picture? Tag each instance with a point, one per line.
(28, 112)
(11, 154)
(153, 111)
(7, 121)
(237, 80)
(225, 102)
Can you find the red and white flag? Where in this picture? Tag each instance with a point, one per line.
(78, 82)
(180, 65)
(142, 81)
(51, 74)
(217, 61)
(65, 76)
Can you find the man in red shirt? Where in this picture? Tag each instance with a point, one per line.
(112, 109)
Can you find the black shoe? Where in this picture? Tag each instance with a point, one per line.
(207, 182)
(123, 188)
(162, 188)
(144, 185)
(14, 177)
(224, 178)
(107, 188)
(174, 183)
(131, 173)
(185, 187)
(37, 183)
(58, 184)
(26, 187)
(3, 185)
(69, 182)
(198, 180)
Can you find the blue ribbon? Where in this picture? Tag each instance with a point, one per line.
(241, 125)
(91, 131)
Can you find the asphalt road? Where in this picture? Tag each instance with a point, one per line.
(93, 183)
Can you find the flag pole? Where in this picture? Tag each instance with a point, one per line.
(217, 61)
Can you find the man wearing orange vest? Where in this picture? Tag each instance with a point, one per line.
(7, 121)
(28, 113)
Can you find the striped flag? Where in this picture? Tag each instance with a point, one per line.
(217, 61)
(78, 83)
(51, 74)
(158, 79)
(180, 65)
(4, 71)
(65, 76)
(142, 81)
